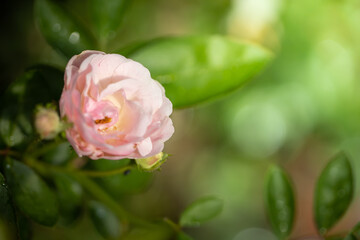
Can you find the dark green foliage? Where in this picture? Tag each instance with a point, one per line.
(38, 85)
(61, 30)
(334, 192)
(31, 194)
(280, 201)
(107, 16)
(105, 221)
(60, 154)
(70, 196)
(8, 224)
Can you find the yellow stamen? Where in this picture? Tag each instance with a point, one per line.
(102, 121)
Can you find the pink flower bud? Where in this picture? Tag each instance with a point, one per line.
(151, 163)
(47, 123)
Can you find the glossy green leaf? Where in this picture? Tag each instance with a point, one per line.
(70, 195)
(60, 154)
(119, 185)
(105, 221)
(280, 201)
(38, 85)
(13, 225)
(201, 211)
(183, 236)
(107, 16)
(31, 194)
(195, 69)
(61, 30)
(334, 192)
(7, 215)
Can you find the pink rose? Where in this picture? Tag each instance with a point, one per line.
(116, 108)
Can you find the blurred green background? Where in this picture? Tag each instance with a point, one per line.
(298, 112)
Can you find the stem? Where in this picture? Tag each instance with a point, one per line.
(104, 197)
(100, 194)
(91, 173)
(172, 224)
(8, 152)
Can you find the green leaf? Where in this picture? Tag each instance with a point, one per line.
(201, 211)
(60, 154)
(7, 215)
(31, 194)
(280, 201)
(38, 85)
(70, 195)
(195, 69)
(183, 236)
(334, 191)
(61, 30)
(105, 221)
(12, 225)
(107, 16)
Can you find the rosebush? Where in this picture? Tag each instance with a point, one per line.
(112, 108)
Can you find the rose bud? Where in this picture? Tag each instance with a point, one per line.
(116, 109)
(47, 122)
(151, 163)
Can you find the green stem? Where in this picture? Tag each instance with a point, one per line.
(121, 170)
(104, 197)
(172, 224)
(8, 152)
(88, 173)
(100, 194)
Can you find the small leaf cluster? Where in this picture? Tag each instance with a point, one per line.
(333, 194)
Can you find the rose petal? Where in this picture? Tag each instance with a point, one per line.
(145, 147)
